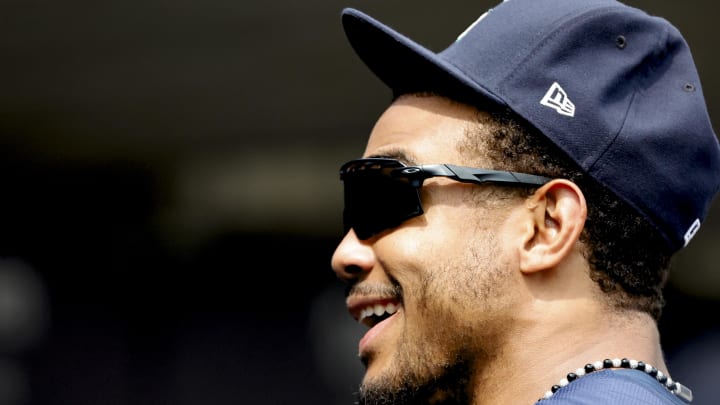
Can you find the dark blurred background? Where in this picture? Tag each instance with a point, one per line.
(170, 199)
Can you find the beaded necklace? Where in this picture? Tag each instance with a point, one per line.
(681, 391)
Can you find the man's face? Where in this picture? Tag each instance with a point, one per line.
(437, 291)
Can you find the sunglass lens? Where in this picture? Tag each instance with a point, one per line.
(374, 203)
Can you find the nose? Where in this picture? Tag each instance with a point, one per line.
(352, 257)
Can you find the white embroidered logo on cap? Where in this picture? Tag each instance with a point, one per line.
(557, 99)
(472, 25)
(459, 37)
(692, 231)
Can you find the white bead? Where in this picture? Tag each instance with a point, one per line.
(616, 362)
(669, 382)
(564, 382)
(659, 375)
(648, 368)
(633, 363)
(548, 394)
(580, 372)
(598, 365)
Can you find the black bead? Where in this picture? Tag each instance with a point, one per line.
(555, 388)
(589, 368)
(571, 377)
(607, 363)
(672, 386)
(653, 371)
(662, 379)
(641, 365)
(625, 363)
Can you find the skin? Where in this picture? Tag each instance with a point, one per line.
(490, 290)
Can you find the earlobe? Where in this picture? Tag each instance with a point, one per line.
(556, 217)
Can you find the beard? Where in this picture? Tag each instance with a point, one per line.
(444, 365)
(447, 386)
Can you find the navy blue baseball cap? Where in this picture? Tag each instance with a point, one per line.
(612, 86)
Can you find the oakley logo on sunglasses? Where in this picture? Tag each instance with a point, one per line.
(382, 193)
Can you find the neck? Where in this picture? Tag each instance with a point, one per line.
(561, 337)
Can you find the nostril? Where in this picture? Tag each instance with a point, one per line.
(353, 269)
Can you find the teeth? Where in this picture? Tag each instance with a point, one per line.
(378, 310)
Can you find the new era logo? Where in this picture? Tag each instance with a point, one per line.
(557, 99)
(692, 231)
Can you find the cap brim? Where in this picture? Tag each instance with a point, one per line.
(406, 66)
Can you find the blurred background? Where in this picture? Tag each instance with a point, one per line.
(170, 199)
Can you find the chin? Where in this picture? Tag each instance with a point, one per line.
(404, 386)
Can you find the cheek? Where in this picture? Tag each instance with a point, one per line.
(440, 273)
(450, 209)
(468, 276)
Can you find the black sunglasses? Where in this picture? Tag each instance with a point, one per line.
(382, 193)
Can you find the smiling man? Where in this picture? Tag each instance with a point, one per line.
(511, 223)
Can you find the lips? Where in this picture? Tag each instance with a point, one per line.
(376, 313)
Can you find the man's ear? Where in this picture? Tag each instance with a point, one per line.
(557, 213)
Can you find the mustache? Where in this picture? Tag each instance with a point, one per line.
(376, 290)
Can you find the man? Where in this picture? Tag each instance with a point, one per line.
(511, 223)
